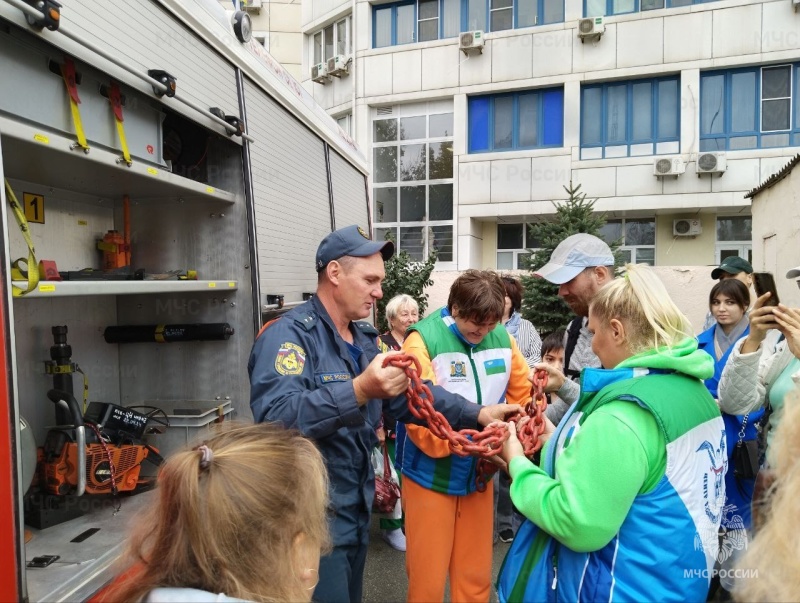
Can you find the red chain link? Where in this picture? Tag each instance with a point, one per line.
(486, 443)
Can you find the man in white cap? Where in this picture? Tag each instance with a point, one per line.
(580, 266)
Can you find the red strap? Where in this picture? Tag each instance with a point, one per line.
(68, 71)
(115, 98)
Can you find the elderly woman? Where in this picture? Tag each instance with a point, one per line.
(523, 331)
(402, 311)
(628, 500)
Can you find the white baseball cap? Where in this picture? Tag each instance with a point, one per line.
(793, 273)
(573, 255)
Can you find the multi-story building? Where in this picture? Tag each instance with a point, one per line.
(476, 113)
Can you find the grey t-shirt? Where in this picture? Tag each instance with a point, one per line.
(582, 357)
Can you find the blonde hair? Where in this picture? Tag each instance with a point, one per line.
(771, 565)
(640, 301)
(230, 526)
(398, 302)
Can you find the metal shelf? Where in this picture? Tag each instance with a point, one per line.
(84, 567)
(98, 173)
(77, 288)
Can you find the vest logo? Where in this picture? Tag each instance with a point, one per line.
(458, 369)
(290, 360)
(714, 478)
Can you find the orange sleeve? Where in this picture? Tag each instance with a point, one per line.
(422, 436)
(519, 388)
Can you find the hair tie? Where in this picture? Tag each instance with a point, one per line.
(206, 456)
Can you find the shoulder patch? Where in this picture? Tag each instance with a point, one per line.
(290, 360)
(367, 328)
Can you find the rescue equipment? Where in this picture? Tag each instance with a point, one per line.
(466, 442)
(214, 331)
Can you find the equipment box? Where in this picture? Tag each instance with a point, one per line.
(189, 422)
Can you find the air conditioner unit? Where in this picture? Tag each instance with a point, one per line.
(252, 5)
(471, 42)
(711, 163)
(319, 73)
(668, 166)
(339, 65)
(686, 228)
(591, 28)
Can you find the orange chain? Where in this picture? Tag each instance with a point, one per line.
(486, 443)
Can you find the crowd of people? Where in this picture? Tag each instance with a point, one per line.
(668, 471)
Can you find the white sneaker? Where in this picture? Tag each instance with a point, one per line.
(395, 539)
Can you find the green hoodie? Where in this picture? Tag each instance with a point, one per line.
(595, 484)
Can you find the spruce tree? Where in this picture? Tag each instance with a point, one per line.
(540, 302)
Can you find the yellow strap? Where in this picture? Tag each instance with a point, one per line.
(76, 119)
(33, 273)
(126, 154)
(85, 387)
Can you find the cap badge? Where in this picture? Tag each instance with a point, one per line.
(362, 233)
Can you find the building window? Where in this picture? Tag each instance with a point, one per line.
(753, 108)
(636, 237)
(425, 20)
(533, 119)
(331, 41)
(734, 237)
(413, 183)
(596, 8)
(514, 242)
(627, 119)
(344, 123)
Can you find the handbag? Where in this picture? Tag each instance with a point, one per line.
(745, 455)
(387, 490)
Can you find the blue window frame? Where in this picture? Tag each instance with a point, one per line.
(596, 8)
(532, 119)
(424, 20)
(750, 108)
(630, 118)
(394, 24)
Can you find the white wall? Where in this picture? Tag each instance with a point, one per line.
(776, 234)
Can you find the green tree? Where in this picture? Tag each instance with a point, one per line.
(405, 275)
(540, 302)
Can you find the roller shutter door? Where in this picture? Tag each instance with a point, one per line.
(349, 193)
(290, 189)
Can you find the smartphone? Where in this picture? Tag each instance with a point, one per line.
(43, 560)
(764, 282)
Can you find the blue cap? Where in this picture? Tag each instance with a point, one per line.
(573, 255)
(350, 240)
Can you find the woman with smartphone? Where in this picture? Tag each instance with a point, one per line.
(728, 303)
(758, 374)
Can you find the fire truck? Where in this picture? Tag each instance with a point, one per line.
(165, 185)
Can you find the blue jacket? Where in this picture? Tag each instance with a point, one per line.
(301, 373)
(739, 492)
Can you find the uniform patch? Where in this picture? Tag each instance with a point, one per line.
(333, 377)
(290, 360)
(458, 369)
(362, 233)
(496, 366)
